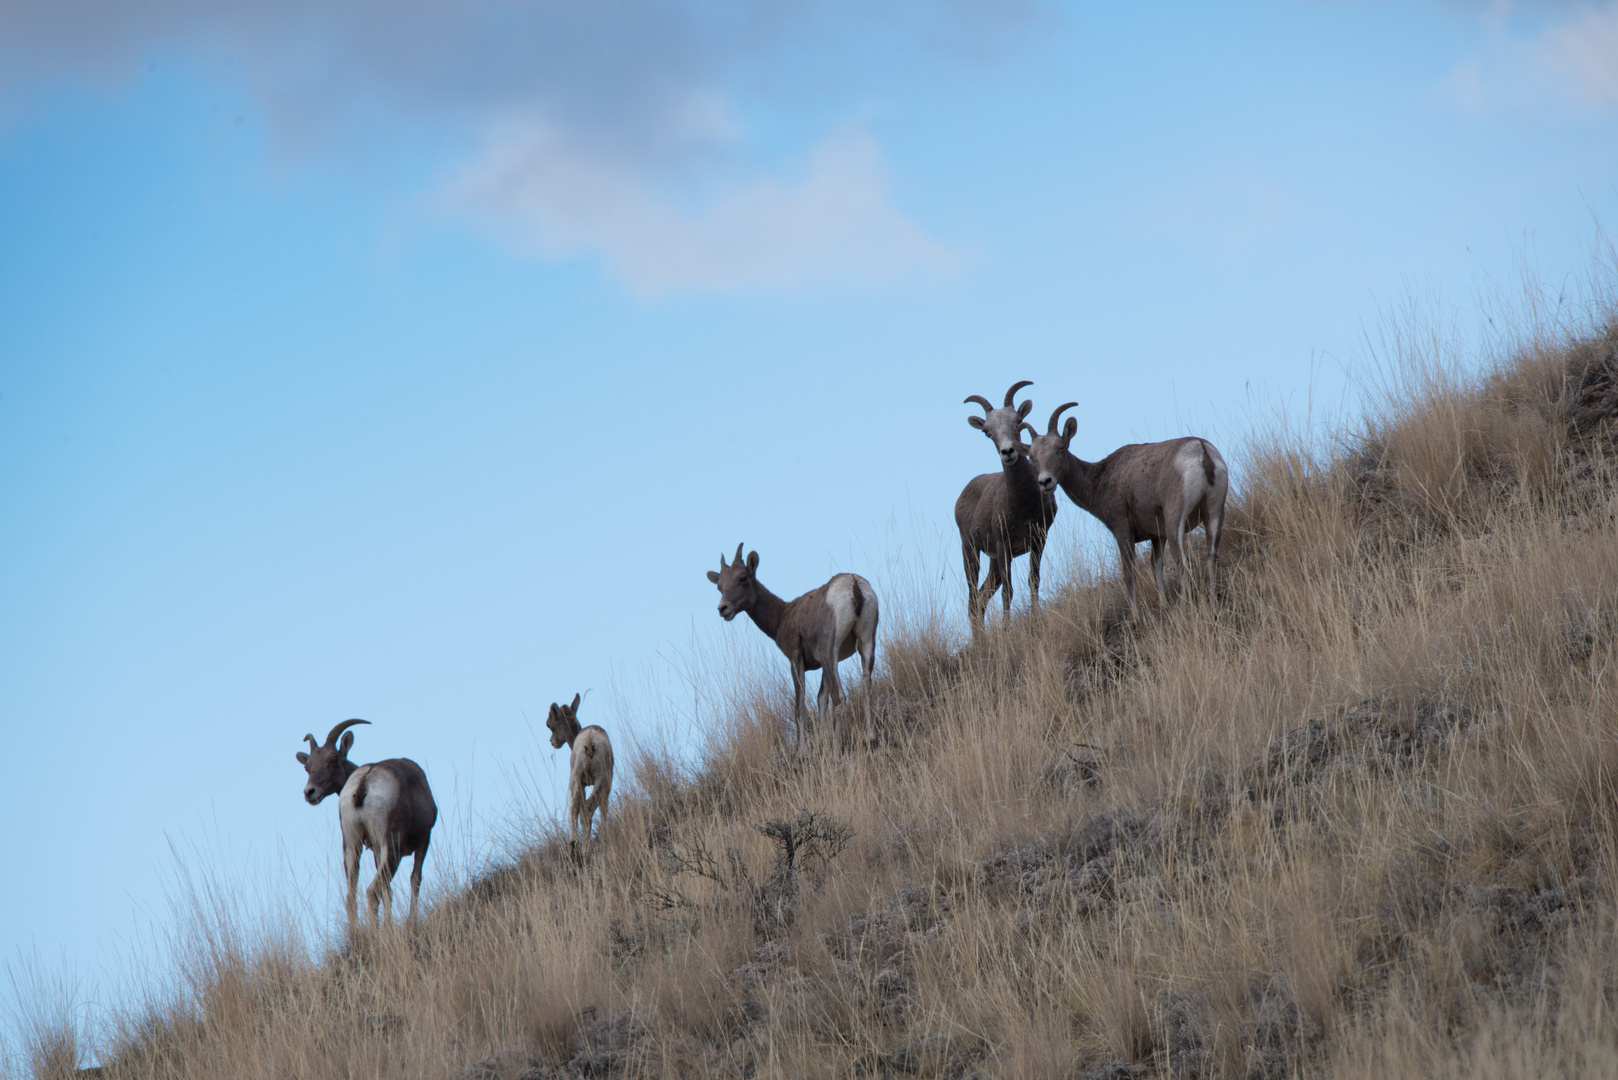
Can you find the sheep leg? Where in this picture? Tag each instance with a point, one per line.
(831, 693)
(1002, 562)
(575, 810)
(822, 697)
(1157, 568)
(1126, 554)
(867, 664)
(381, 890)
(351, 870)
(991, 582)
(587, 814)
(1176, 546)
(797, 703)
(597, 801)
(1036, 551)
(974, 610)
(415, 878)
(1211, 526)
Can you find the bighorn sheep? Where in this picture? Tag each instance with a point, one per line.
(816, 630)
(589, 767)
(385, 806)
(1003, 514)
(1144, 491)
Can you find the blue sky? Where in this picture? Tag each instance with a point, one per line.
(415, 362)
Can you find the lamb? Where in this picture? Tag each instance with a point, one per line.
(385, 806)
(816, 630)
(1144, 491)
(1003, 514)
(589, 767)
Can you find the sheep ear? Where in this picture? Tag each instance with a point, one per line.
(752, 560)
(1069, 429)
(975, 421)
(1025, 408)
(303, 758)
(550, 718)
(575, 705)
(713, 577)
(345, 742)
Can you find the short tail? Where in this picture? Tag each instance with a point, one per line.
(1207, 462)
(859, 599)
(590, 751)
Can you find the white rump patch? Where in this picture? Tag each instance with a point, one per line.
(841, 598)
(367, 824)
(1191, 472)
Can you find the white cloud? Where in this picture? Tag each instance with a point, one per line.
(629, 95)
(832, 224)
(1570, 62)
(1583, 54)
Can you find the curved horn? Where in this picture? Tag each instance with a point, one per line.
(1025, 426)
(981, 400)
(1014, 388)
(313, 746)
(331, 740)
(738, 561)
(1060, 409)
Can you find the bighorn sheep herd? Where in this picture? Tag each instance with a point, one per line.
(1144, 491)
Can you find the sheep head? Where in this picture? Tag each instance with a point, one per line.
(738, 585)
(1003, 426)
(564, 723)
(328, 765)
(1049, 452)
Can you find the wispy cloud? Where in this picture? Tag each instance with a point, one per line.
(585, 123)
(1583, 53)
(1566, 57)
(831, 223)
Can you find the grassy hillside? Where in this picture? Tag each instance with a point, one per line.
(1358, 818)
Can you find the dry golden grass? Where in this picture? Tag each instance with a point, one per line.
(1358, 818)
